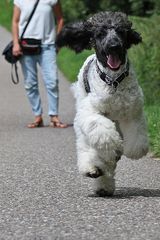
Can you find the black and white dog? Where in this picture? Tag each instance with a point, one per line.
(109, 120)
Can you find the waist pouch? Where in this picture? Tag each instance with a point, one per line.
(30, 46)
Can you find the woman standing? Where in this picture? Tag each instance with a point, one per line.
(42, 26)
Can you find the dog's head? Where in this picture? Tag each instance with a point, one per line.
(109, 33)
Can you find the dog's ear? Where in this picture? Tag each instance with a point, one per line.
(74, 36)
(133, 37)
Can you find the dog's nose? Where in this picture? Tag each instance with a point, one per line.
(114, 47)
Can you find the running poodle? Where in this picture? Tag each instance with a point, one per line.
(109, 117)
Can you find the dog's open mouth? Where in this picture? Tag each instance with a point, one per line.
(113, 61)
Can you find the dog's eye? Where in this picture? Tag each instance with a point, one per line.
(121, 32)
(99, 34)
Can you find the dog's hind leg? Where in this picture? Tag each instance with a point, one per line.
(135, 137)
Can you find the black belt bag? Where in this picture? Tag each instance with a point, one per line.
(30, 46)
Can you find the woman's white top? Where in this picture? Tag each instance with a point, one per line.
(42, 24)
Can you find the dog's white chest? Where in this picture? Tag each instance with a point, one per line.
(119, 104)
(124, 103)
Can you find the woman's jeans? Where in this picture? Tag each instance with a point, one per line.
(47, 62)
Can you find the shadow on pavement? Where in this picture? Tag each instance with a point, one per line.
(132, 193)
(136, 192)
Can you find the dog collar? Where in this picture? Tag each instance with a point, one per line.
(113, 81)
(107, 79)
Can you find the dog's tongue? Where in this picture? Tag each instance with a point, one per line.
(113, 61)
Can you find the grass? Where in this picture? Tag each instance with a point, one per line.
(153, 120)
(6, 8)
(69, 62)
(146, 57)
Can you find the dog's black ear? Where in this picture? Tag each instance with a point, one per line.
(74, 36)
(133, 37)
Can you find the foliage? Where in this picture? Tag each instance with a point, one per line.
(75, 9)
(141, 7)
(6, 16)
(146, 57)
(153, 116)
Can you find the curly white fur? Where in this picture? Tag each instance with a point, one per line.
(108, 124)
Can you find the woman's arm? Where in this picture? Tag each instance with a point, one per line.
(57, 9)
(15, 31)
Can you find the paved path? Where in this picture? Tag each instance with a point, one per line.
(42, 196)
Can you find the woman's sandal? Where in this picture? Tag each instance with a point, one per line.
(36, 124)
(58, 124)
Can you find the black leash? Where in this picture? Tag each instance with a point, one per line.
(14, 65)
(85, 76)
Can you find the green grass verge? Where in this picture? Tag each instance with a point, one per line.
(146, 57)
(153, 120)
(6, 8)
(69, 62)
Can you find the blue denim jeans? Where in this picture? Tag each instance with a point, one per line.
(47, 62)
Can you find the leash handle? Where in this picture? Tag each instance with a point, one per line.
(14, 66)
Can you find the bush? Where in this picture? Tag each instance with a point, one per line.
(75, 9)
(146, 57)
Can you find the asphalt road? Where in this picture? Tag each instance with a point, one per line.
(42, 195)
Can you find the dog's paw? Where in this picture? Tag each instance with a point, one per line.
(104, 193)
(95, 172)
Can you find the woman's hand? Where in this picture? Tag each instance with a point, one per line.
(16, 49)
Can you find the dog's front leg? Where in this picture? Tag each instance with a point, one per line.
(105, 185)
(95, 135)
(99, 131)
(134, 133)
(89, 162)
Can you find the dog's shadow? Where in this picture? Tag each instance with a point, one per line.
(136, 192)
(121, 193)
